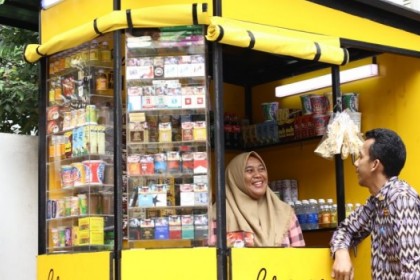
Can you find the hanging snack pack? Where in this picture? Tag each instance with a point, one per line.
(342, 137)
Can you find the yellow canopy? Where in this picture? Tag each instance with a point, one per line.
(277, 40)
(157, 16)
(264, 38)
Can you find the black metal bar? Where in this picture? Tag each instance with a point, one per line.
(118, 213)
(118, 112)
(339, 166)
(219, 139)
(42, 158)
(220, 163)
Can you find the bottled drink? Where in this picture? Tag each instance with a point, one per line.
(105, 52)
(305, 213)
(326, 216)
(330, 209)
(334, 215)
(313, 222)
(300, 214)
(94, 51)
(101, 80)
(321, 204)
(349, 209)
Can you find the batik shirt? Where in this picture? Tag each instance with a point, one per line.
(392, 217)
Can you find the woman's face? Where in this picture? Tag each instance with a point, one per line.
(255, 178)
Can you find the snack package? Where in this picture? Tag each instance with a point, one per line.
(342, 137)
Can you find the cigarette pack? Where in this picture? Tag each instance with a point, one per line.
(201, 227)
(200, 162)
(147, 229)
(175, 227)
(161, 228)
(187, 224)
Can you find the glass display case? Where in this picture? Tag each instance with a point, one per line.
(168, 147)
(80, 190)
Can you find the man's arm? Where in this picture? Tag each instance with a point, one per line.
(406, 221)
(342, 267)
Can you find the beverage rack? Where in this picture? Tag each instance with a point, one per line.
(79, 140)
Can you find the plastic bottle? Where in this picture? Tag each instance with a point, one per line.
(321, 204)
(334, 219)
(299, 214)
(330, 203)
(326, 216)
(94, 51)
(105, 52)
(349, 209)
(313, 220)
(305, 213)
(101, 80)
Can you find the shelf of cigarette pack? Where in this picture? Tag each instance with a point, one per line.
(145, 48)
(71, 218)
(96, 188)
(63, 161)
(166, 243)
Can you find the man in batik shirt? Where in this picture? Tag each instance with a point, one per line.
(391, 214)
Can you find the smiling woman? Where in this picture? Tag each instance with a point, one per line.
(255, 216)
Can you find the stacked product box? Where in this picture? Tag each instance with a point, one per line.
(91, 231)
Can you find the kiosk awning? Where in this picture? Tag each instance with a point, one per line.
(268, 39)
(277, 40)
(158, 16)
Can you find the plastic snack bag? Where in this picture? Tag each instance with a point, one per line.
(341, 137)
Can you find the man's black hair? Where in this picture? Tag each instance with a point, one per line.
(389, 148)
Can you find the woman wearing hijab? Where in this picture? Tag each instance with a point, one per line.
(255, 216)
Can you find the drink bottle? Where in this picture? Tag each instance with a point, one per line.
(313, 214)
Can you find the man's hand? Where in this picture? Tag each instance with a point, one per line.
(342, 268)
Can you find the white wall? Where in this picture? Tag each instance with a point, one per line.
(18, 206)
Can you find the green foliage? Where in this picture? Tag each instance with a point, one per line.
(19, 109)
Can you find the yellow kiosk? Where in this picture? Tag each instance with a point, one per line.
(96, 244)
